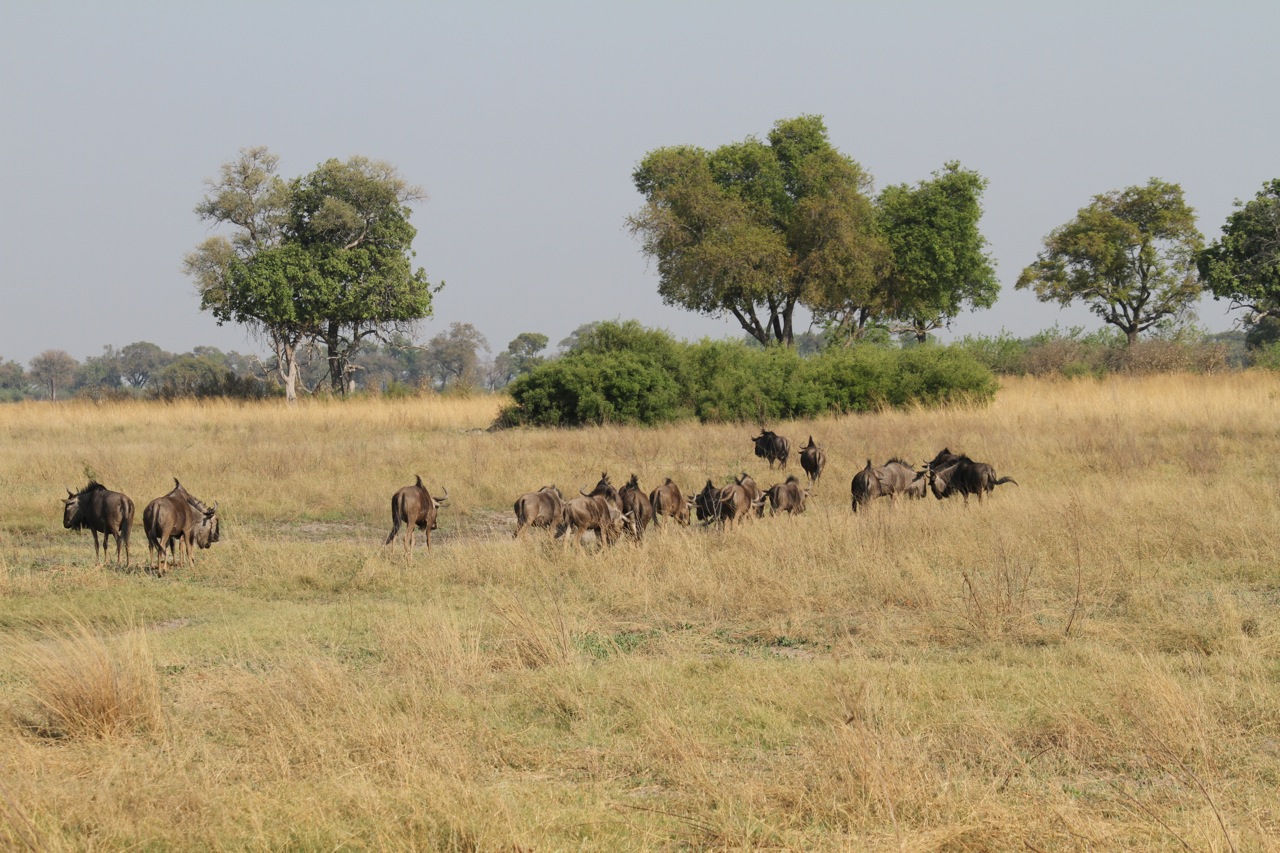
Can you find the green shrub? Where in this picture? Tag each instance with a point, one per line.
(623, 373)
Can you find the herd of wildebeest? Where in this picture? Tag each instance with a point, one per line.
(180, 520)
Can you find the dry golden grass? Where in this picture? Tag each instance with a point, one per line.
(1086, 661)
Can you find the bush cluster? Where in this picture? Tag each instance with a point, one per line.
(625, 373)
(1073, 353)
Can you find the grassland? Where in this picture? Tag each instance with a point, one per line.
(1088, 661)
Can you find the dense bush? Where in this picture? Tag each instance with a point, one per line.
(623, 373)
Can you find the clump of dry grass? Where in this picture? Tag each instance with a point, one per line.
(83, 685)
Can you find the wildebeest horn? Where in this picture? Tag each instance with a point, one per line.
(418, 480)
(584, 493)
(215, 508)
(443, 497)
(70, 493)
(176, 484)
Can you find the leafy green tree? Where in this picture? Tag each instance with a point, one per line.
(520, 356)
(101, 372)
(53, 370)
(453, 356)
(13, 380)
(755, 228)
(325, 257)
(1243, 265)
(940, 265)
(1130, 256)
(140, 360)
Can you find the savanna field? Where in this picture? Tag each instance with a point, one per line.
(1088, 660)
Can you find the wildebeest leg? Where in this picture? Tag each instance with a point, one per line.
(95, 545)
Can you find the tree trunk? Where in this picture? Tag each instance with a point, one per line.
(337, 364)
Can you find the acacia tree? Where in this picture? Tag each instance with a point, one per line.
(452, 357)
(755, 228)
(53, 369)
(1243, 265)
(323, 258)
(1130, 256)
(939, 261)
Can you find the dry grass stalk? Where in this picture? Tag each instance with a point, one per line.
(84, 686)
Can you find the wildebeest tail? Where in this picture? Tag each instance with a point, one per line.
(395, 522)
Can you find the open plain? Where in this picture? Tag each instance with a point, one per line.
(1088, 660)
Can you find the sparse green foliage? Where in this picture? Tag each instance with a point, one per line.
(1130, 256)
(53, 370)
(1243, 265)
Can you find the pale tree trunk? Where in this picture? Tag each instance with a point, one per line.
(286, 348)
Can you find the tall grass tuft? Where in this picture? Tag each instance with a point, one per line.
(84, 686)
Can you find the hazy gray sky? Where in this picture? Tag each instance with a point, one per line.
(523, 121)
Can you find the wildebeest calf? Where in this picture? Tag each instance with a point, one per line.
(414, 507)
(100, 510)
(813, 459)
(636, 503)
(543, 508)
(787, 497)
(667, 500)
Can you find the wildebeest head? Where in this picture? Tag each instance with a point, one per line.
(772, 447)
(606, 489)
(707, 503)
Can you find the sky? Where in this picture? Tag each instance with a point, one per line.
(523, 123)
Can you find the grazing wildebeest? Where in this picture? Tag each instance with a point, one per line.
(754, 495)
(891, 479)
(179, 518)
(636, 503)
(787, 497)
(964, 477)
(543, 508)
(597, 513)
(772, 447)
(667, 500)
(813, 459)
(414, 507)
(100, 510)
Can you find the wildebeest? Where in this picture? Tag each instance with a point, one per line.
(754, 495)
(543, 508)
(731, 503)
(100, 510)
(605, 489)
(772, 447)
(595, 512)
(960, 475)
(179, 518)
(813, 459)
(414, 507)
(787, 497)
(636, 504)
(667, 500)
(891, 479)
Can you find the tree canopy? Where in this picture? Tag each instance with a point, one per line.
(1130, 256)
(1243, 265)
(755, 228)
(325, 257)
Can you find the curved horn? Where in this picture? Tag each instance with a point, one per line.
(443, 497)
(214, 508)
(584, 493)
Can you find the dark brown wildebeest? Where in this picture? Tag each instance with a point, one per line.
(891, 479)
(179, 518)
(543, 508)
(707, 503)
(965, 477)
(667, 500)
(813, 459)
(415, 508)
(636, 504)
(597, 513)
(100, 510)
(753, 492)
(787, 497)
(772, 447)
